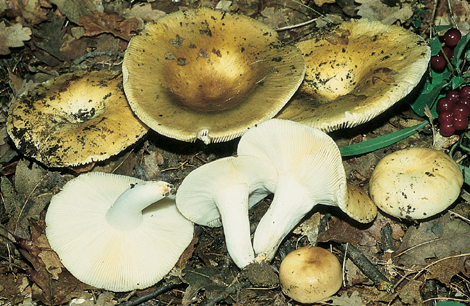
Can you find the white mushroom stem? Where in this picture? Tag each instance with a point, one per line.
(291, 202)
(236, 223)
(126, 211)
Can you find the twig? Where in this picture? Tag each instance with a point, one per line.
(150, 295)
(297, 25)
(365, 266)
(228, 291)
(96, 54)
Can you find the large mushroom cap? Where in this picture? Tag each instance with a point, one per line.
(209, 75)
(108, 233)
(74, 119)
(415, 183)
(356, 71)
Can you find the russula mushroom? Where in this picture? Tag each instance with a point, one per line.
(415, 183)
(356, 71)
(208, 75)
(74, 119)
(222, 192)
(310, 172)
(117, 232)
(310, 274)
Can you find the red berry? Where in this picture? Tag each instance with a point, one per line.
(447, 129)
(445, 117)
(445, 104)
(453, 95)
(464, 100)
(449, 52)
(464, 91)
(461, 109)
(438, 62)
(452, 37)
(460, 123)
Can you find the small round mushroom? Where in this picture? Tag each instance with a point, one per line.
(74, 119)
(209, 75)
(310, 274)
(310, 172)
(117, 232)
(356, 71)
(415, 183)
(222, 192)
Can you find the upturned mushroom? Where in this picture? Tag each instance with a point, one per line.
(310, 274)
(209, 75)
(356, 71)
(415, 183)
(310, 172)
(117, 232)
(74, 119)
(221, 193)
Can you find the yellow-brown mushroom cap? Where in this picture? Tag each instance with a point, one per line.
(310, 274)
(356, 71)
(415, 183)
(74, 119)
(209, 75)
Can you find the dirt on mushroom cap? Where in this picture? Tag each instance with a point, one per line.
(356, 71)
(74, 119)
(209, 74)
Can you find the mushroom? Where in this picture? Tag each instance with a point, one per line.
(356, 71)
(74, 119)
(415, 183)
(310, 274)
(310, 172)
(209, 75)
(117, 232)
(222, 192)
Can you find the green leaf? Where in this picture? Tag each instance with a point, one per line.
(449, 303)
(456, 82)
(459, 49)
(435, 46)
(381, 141)
(443, 28)
(466, 173)
(427, 97)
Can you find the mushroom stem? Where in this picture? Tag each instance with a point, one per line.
(126, 211)
(280, 219)
(236, 223)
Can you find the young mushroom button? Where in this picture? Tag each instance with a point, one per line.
(310, 274)
(415, 183)
(222, 192)
(209, 75)
(310, 172)
(117, 232)
(356, 71)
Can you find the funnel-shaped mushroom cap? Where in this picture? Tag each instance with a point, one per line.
(415, 183)
(310, 172)
(356, 71)
(209, 75)
(222, 192)
(117, 232)
(74, 119)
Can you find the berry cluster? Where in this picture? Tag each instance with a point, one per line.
(453, 110)
(450, 38)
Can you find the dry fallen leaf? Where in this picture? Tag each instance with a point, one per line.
(274, 19)
(12, 37)
(376, 10)
(99, 23)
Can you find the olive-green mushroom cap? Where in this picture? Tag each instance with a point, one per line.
(356, 71)
(74, 119)
(209, 75)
